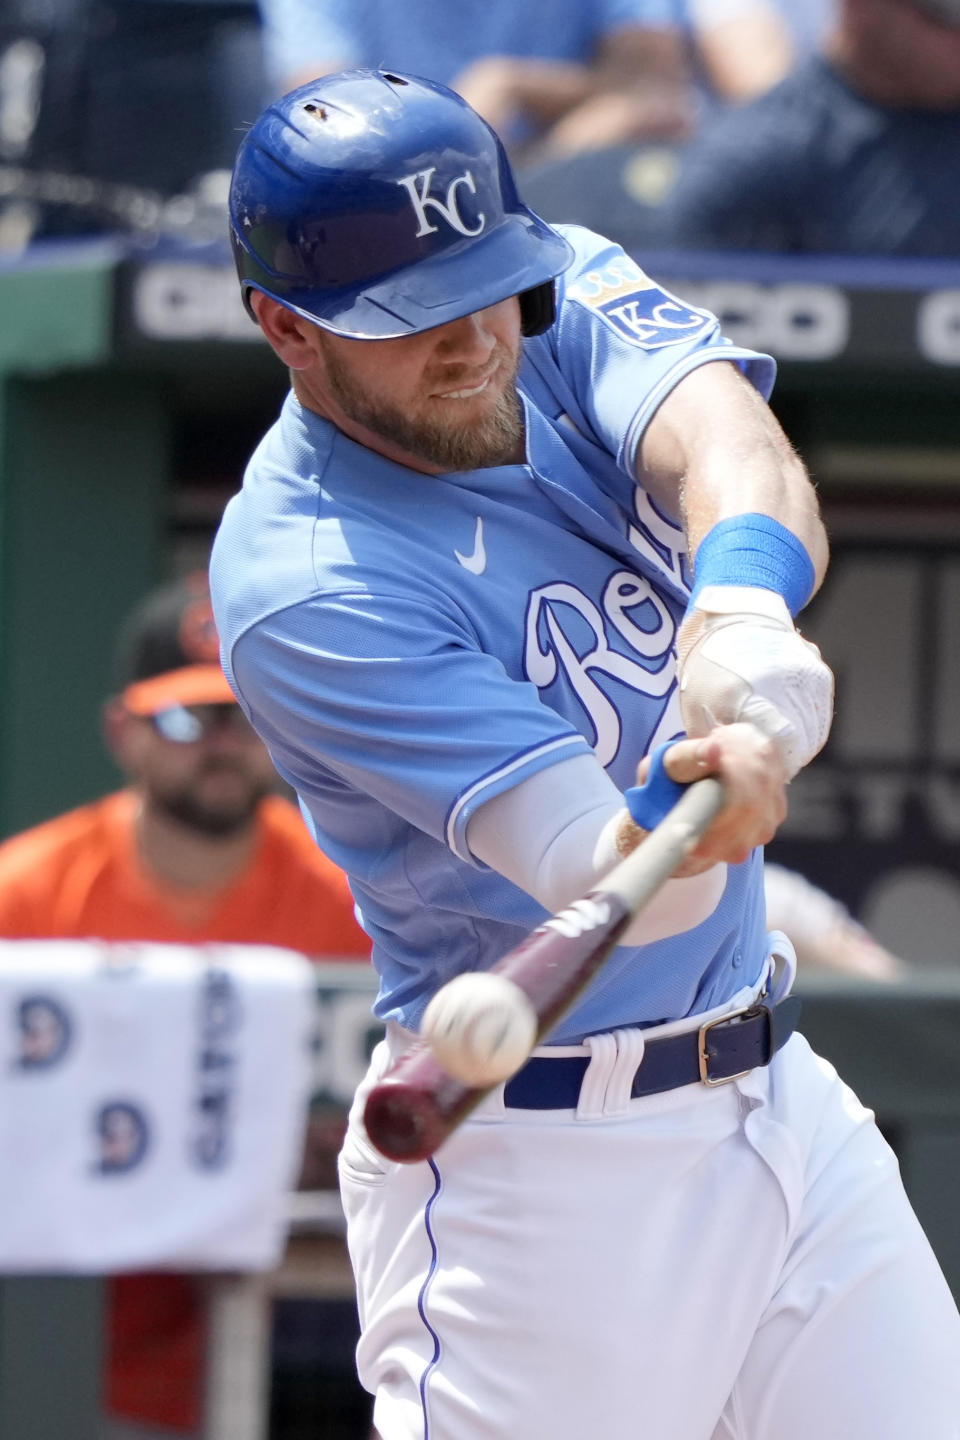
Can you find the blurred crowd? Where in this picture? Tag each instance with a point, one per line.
(780, 125)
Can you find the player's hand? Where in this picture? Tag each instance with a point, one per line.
(740, 659)
(755, 787)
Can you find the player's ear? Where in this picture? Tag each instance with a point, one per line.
(287, 332)
(117, 726)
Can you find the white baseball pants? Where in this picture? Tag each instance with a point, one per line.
(738, 1263)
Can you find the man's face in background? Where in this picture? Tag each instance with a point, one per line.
(200, 765)
(902, 54)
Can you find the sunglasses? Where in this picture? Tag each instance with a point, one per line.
(186, 724)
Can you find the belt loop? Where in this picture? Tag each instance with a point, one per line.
(493, 1106)
(593, 1090)
(780, 979)
(630, 1048)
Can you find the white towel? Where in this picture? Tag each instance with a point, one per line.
(153, 1101)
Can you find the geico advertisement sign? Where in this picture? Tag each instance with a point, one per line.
(794, 321)
(189, 302)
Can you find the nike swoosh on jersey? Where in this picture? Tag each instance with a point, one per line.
(477, 562)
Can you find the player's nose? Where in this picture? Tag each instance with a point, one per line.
(469, 340)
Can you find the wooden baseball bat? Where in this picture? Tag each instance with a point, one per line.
(416, 1104)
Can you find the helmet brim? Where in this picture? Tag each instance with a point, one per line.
(521, 252)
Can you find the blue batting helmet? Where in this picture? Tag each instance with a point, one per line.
(378, 205)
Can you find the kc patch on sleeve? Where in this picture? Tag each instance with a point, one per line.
(636, 308)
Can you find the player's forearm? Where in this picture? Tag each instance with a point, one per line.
(715, 454)
(714, 450)
(753, 471)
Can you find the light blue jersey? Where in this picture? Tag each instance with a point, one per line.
(410, 646)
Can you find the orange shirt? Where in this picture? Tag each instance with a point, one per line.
(78, 877)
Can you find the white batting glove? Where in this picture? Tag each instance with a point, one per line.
(740, 658)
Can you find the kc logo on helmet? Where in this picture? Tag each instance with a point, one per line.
(417, 187)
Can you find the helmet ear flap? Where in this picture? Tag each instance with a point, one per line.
(538, 308)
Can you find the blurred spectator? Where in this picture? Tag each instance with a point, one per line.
(99, 98)
(559, 75)
(855, 152)
(198, 847)
(809, 23)
(824, 933)
(556, 77)
(739, 48)
(851, 154)
(772, 33)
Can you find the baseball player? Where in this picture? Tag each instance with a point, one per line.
(524, 522)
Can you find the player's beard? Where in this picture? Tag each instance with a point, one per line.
(451, 445)
(216, 819)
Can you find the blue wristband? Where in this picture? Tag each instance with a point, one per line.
(755, 550)
(650, 802)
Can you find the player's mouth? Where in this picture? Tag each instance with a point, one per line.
(466, 392)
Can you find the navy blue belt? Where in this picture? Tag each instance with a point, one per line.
(719, 1051)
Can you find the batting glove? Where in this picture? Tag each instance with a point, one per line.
(740, 658)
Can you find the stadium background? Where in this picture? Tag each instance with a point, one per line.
(132, 389)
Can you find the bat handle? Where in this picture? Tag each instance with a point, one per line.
(637, 878)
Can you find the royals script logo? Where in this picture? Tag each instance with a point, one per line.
(567, 635)
(418, 186)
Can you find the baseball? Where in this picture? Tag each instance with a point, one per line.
(481, 1027)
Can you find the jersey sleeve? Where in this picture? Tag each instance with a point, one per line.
(386, 696)
(622, 343)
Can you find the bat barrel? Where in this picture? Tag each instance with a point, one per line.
(403, 1122)
(413, 1109)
